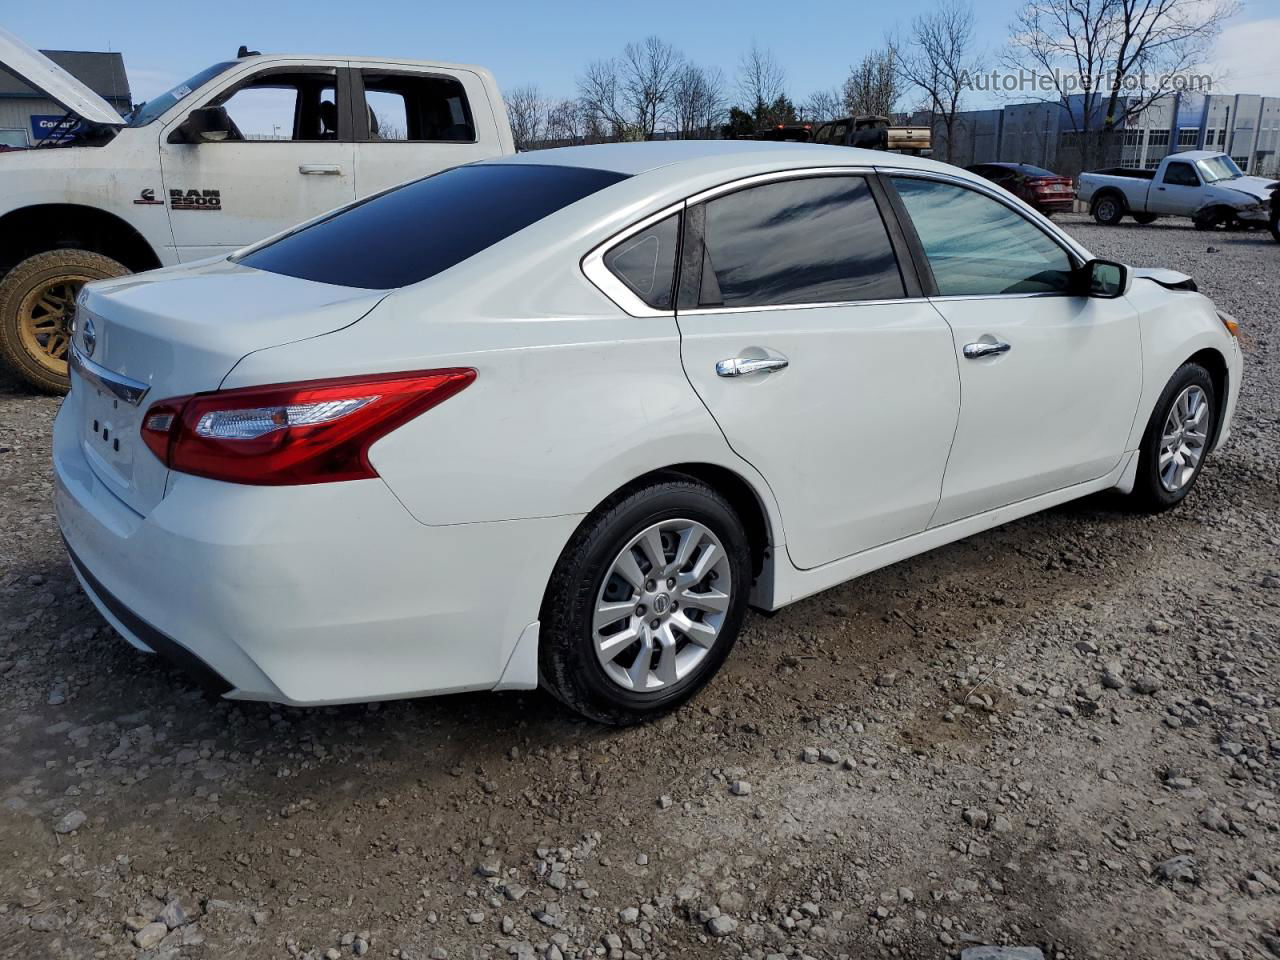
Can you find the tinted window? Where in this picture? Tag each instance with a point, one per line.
(978, 246)
(425, 227)
(1181, 174)
(1029, 171)
(401, 107)
(816, 240)
(646, 262)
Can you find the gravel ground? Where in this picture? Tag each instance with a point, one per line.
(1063, 734)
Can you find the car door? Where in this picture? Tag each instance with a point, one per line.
(288, 157)
(1178, 191)
(1049, 379)
(818, 359)
(410, 124)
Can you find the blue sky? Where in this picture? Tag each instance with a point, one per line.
(163, 43)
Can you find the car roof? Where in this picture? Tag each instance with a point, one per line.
(729, 156)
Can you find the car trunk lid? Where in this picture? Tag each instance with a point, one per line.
(174, 333)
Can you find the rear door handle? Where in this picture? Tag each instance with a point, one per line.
(746, 366)
(976, 351)
(321, 169)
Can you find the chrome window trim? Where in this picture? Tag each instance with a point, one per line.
(119, 386)
(989, 190)
(609, 284)
(766, 307)
(795, 173)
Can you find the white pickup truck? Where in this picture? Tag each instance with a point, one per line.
(1201, 184)
(244, 149)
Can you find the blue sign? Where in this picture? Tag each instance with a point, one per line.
(52, 127)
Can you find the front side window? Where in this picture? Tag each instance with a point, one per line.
(407, 107)
(1181, 175)
(284, 106)
(425, 227)
(977, 246)
(814, 240)
(646, 262)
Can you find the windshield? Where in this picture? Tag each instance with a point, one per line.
(146, 112)
(1218, 168)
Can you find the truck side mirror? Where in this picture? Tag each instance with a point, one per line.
(1104, 279)
(203, 125)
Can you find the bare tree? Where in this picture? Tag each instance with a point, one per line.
(564, 121)
(873, 86)
(821, 105)
(698, 102)
(760, 82)
(1106, 61)
(631, 95)
(527, 112)
(938, 59)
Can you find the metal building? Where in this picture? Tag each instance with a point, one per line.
(27, 117)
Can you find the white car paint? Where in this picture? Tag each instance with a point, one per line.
(264, 186)
(368, 589)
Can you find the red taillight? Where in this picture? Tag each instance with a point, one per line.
(316, 431)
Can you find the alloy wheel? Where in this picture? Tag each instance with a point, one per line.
(1184, 438)
(44, 320)
(661, 605)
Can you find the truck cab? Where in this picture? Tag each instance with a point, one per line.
(244, 149)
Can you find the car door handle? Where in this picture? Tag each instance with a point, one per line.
(321, 169)
(976, 351)
(746, 366)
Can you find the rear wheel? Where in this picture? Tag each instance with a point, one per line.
(1144, 218)
(1108, 210)
(645, 602)
(37, 301)
(1177, 439)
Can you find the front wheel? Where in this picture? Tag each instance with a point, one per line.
(37, 299)
(645, 602)
(1145, 218)
(1177, 439)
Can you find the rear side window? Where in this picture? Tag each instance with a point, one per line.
(977, 246)
(646, 262)
(814, 240)
(425, 227)
(416, 108)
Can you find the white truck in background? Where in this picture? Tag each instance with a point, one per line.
(244, 149)
(1204, 185)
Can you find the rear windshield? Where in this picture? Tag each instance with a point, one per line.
(1030, 171)
(413, 232)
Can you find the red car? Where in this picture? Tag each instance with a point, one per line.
(1043, 189)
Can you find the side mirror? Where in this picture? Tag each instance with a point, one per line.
(203, 125)
(1104, 279)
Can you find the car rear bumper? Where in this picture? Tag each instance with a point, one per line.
(1063, 204)
(314, 594)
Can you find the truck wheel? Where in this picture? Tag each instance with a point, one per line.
(1108, 211)
(1275, 226)
(37, 299)
(1144, 218)
(1215, 218)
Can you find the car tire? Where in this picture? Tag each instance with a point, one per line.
(1108, 210)
(625, 681)
(1214, 219)
(1145, 218)
(1275, 225)
(36, 300)
(1158, 485)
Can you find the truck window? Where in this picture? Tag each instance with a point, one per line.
(1181, 174)
(416, 108)
(284, 106)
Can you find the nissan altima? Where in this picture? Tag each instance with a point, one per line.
(558, 419)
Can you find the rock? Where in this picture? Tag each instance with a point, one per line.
(1181, 867)
(30, 897)
(150, 935)
(70, 822)
(57, 694)
(333, 953)
(475, 916)
(629, 915)
(721, 926)
(977, 818)
(809, 755)
(664, 802)
(359, 946)
(887, 679)
(829, 755)
(740, 788)
(173, 916)
(1001, 953)
(489, 868)
(47, 922)
(1146, 684)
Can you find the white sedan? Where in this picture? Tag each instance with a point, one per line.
(558, 419)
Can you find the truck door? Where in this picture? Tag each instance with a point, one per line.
(287, 158)
(1178, 190)
(412, 123)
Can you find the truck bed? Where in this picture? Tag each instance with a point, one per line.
(1126, 172)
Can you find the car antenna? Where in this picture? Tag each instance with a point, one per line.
(246, 52)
